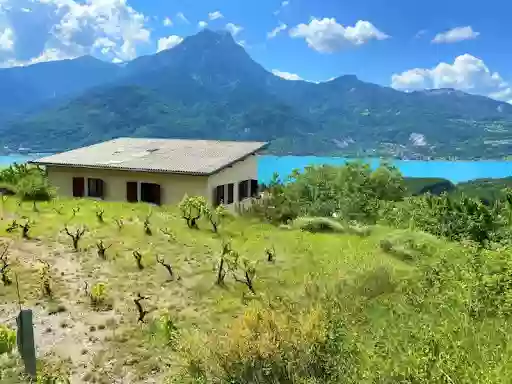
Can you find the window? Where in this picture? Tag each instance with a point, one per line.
(95, 188)
(243, 190)
(231, 192)
(150, 193)
(78, 186)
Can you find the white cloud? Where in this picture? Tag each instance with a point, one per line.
(281, 27)
(202, 24)
(327, 36)
(420, 33)
(234, 29)
(455, 35)
(467, 73)
(283, 4)
(7, 40)
(286, 75)
(182, 17)
(168, 42)
(168, 22)
(51, 54)
(215, 15)
(56, 29)
(117, 61)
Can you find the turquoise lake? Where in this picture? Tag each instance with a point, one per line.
(455, 171)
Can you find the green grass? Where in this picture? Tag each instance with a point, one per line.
(194, 302)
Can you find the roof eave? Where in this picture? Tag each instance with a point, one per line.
(106, 167)
(242, 158)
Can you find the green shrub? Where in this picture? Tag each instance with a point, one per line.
(265, 346)
(7, 339)
(410, 246)
(318, 224)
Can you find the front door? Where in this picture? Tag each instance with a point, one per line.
(78, 187)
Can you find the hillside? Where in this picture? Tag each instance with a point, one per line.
(143, 298)
(209, 87)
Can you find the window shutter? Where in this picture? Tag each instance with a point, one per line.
(78, 187)
(254, 188)
(231, 198)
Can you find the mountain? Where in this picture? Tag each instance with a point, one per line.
(209, 87)
(26, 88)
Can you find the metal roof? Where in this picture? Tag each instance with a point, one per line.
(195, 157)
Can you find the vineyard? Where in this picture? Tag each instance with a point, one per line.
(338, 276)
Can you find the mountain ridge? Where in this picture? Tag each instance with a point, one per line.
(208, 86)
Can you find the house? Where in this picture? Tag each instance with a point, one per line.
(157, 171)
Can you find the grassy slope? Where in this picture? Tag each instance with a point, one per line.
(112, 343)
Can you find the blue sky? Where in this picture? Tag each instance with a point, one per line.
(405, 44)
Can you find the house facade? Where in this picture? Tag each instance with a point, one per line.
(157, 171)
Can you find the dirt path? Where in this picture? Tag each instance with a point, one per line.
(72, 333)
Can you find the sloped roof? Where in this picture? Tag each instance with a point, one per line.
(195, 157)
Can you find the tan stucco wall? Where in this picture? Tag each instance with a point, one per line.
(243, 170)
(173, 187)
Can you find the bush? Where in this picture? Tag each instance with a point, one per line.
(264, 346)
(34, 188)
(7, 339)
(318, 224)
(352, 191)
(410, 246)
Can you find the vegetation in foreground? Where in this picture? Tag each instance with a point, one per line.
(335, 277)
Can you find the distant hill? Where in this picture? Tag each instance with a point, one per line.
(209, 87)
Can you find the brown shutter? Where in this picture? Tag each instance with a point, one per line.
(157, 194)
(131, 191)
(78, 187)
(231, 197)
(254, 188)
(101, 188)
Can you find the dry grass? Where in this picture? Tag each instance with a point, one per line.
(108, 344)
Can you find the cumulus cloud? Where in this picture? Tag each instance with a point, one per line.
(168, 22)
(168, 42)
(234, 29)
(202, 24)
(182, 17)
(215, 15)
(455, 35)
(6, 40)
(54, 29)
(281, 27)
(286, 75)
(327, 36)
(467, 73)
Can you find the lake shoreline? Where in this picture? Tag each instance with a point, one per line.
(455, 171)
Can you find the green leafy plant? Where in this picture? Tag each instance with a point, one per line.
(97, 295)
(215, 215)
(7, 339)
(192, 208)
(99, 214)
